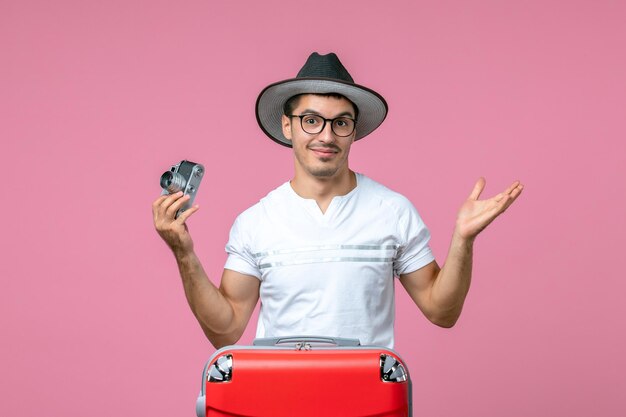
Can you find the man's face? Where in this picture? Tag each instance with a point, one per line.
(322, 155)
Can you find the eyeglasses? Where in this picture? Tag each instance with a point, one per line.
(314, 124)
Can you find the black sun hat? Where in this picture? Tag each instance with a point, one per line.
(321, 74)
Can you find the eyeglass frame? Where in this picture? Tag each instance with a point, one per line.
(302, 116)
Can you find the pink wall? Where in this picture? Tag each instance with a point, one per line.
(98, 98)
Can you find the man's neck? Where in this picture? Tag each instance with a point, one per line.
(322, 190)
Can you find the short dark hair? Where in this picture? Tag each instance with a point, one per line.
(293, 101)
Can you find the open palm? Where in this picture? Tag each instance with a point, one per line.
(476, 214)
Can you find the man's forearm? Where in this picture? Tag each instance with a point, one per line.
(453, 282)
(213, 311)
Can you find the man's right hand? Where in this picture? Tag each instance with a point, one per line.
(173, 230)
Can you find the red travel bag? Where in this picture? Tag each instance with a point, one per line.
(305, 377)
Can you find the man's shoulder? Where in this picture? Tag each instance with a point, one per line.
(273, 198)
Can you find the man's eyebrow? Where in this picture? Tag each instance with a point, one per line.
(315, 112)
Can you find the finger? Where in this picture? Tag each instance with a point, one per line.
(168, 201)
(498, 197)
(508, 191)
(186, 214)
(156, 203)
(155, 206)
(176, 205)
(514, 194)
(478, 188)
(510, 198)
(517, 190)
(512, 187)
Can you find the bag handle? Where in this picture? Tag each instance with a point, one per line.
(275, 341)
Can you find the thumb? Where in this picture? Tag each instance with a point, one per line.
(478, 188)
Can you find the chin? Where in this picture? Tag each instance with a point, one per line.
(323, 172)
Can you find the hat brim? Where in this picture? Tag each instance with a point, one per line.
(269, 105)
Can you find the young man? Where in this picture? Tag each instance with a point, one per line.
(321, 250)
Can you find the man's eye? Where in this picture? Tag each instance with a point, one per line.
(311, 120)
(341, 122)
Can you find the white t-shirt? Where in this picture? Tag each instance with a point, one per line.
(329, 274)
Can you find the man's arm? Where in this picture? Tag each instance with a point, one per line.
(222, 313)
(440, 293)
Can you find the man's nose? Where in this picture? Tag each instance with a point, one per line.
(327, 135)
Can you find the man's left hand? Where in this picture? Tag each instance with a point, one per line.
(476, 214)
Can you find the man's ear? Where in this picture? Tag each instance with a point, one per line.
(286, 123)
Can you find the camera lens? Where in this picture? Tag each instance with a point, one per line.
(172, 182)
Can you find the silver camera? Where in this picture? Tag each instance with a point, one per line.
(185, 177)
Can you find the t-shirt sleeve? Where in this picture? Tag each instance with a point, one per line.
(414, 252)
(240, 257)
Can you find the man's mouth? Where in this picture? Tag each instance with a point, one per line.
(324, 151)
